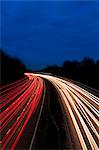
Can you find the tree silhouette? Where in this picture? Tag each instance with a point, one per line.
(85, 71)
(11, 68)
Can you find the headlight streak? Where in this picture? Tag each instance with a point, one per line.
(87, 132)
(81, 104)
(19, 100)
(83, 100)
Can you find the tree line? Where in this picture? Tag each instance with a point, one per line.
(11, 69)
(85, 71)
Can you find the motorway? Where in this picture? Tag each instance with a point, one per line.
(21, 99)
(18, 102)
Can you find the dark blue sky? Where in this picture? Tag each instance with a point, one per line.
(49, 32)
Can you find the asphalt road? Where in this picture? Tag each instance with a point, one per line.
(18, 103)
(81, 109)
(46, 112)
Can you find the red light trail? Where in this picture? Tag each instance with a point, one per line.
(82, 110)
(19, 101)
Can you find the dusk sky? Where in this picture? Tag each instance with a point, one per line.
(43, 33)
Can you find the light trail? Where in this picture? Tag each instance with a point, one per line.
(13, 94)
(8, 87)
(4, 94)
(82, 107)
(18, 103)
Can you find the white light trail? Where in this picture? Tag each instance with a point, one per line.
(82, 107)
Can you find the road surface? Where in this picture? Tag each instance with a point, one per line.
(20, 101)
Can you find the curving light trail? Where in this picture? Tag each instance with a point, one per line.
(18, 102)
(82, 110)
